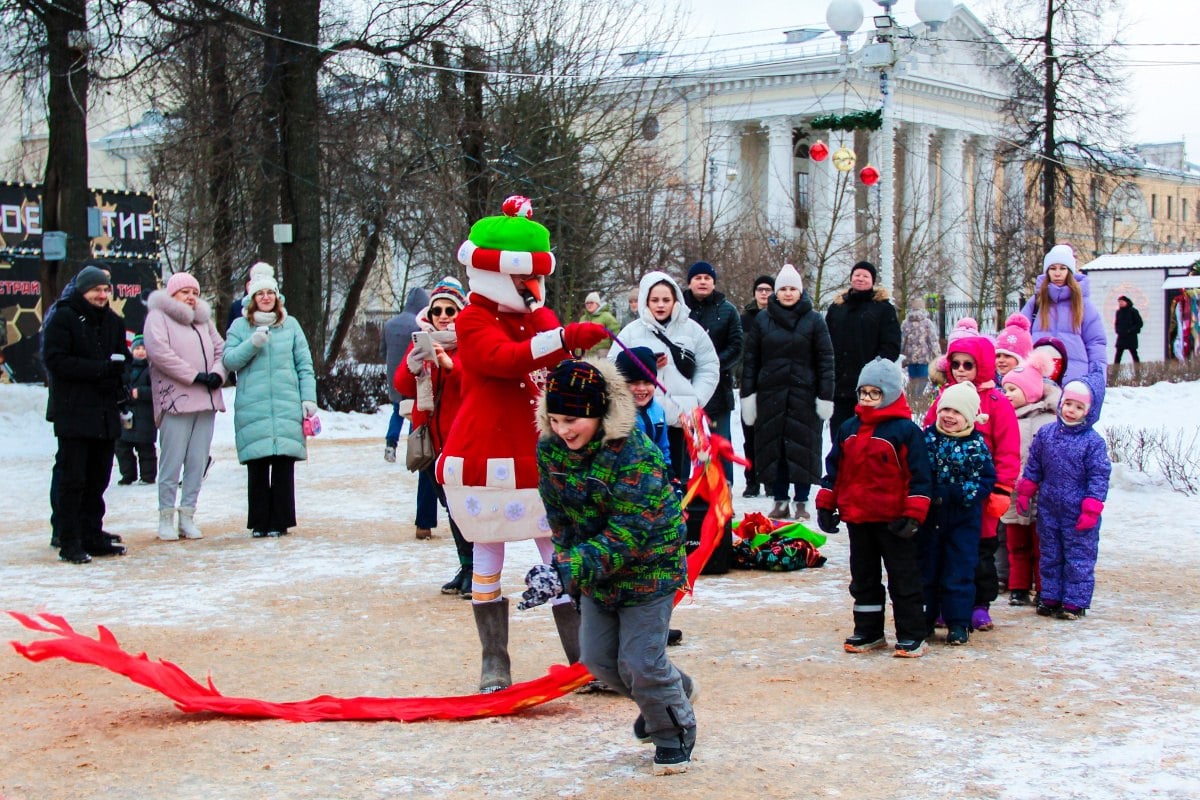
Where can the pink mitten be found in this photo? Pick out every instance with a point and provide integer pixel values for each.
(1089, 514)
(1026, 489)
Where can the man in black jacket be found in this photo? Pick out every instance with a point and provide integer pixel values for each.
(863, 325)
(720, 320)
(83, 346)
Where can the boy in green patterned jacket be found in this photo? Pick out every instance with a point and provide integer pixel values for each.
(618, 535)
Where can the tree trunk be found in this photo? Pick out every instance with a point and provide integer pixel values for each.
(65, 194)
(220, 166)
(374, 229)
(471, 135)
(300, 182)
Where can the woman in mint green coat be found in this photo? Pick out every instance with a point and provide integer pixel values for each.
(276, 391)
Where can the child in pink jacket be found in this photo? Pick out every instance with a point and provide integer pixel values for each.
(972, 359)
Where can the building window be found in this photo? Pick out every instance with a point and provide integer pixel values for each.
(1183, 209)
(1170, 206)
(1153, 206)
(803, 199)
(1068, 194)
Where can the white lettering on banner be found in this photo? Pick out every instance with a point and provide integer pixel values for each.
(21, 219)
(145, 225)
(126, 225)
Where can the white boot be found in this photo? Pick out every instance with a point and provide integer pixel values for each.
(187, 527)
(166, 525)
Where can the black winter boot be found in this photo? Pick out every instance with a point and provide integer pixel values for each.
(566, 619)
(491, 620)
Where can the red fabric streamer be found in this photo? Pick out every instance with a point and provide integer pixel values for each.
(191, 696)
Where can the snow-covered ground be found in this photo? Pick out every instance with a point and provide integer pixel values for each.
(782, 701)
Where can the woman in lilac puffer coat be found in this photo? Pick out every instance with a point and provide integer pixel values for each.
(1061, 307)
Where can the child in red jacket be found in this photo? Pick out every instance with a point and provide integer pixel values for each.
(877, 478)
(972, 359)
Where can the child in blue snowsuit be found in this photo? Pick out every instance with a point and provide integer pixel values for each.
(638, 366)
(1068, 469)
(963, 475)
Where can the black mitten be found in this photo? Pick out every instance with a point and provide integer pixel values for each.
(544, 585)
(905, 527)
(210, 379)
(828, 520)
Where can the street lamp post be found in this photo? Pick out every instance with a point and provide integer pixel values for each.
(844, 18)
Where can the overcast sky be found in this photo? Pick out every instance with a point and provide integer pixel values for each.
(1164, 87)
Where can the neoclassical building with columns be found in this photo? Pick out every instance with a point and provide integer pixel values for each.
(743, 120)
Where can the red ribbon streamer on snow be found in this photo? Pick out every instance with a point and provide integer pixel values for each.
(189, 695)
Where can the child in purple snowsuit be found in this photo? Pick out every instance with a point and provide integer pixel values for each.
(1068, 469)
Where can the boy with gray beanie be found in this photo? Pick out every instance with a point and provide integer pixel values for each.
(878, 479)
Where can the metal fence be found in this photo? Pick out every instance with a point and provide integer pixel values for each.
(990, 318)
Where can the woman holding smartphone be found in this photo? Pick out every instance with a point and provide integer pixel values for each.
(276, 392)
(430, 372)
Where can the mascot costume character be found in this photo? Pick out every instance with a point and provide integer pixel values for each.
(488, 466)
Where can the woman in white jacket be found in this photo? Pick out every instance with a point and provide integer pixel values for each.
(688, 365)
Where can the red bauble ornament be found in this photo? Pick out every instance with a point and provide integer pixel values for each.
(869, 175)
(818, 151)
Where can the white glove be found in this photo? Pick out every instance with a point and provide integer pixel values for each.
(750, 409)
(824, 408)
(310, 408)
(415, 364)
(259, 337)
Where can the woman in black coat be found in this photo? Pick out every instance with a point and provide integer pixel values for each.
(787, 392)
(1128, 324)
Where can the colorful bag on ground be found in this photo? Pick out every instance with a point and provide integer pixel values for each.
(760, 543)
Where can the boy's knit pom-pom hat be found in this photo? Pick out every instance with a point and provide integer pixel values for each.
(511, 243)
(637, 364)
(885, 375)
(576, 389)
(1015, 339)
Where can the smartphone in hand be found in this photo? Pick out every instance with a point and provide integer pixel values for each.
(423, 344)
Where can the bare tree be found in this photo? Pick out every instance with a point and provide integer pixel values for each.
(1070, 98)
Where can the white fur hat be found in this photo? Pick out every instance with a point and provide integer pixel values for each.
(262, 276)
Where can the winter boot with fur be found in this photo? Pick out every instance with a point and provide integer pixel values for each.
(166, 525)
(491, 620)
(782, 510)
(187, 524)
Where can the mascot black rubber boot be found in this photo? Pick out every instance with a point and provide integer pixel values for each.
(566, 618)
(491, 620)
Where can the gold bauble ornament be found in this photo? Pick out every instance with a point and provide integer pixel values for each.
(843, 159)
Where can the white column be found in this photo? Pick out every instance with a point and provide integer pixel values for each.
(722, 170)
(985, 217)
(780, 205)
(917, 188)
(954, 244)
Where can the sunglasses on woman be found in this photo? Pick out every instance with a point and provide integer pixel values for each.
(962, 365)
(447, 311)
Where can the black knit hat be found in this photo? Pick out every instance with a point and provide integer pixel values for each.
(769, 280)
(701, 268)
(628, 366)
(576, 389)
(869, 267)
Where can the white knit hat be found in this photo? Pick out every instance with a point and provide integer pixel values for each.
(789, 277)
(1059, 254)
(262, 276)
(593, 297)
